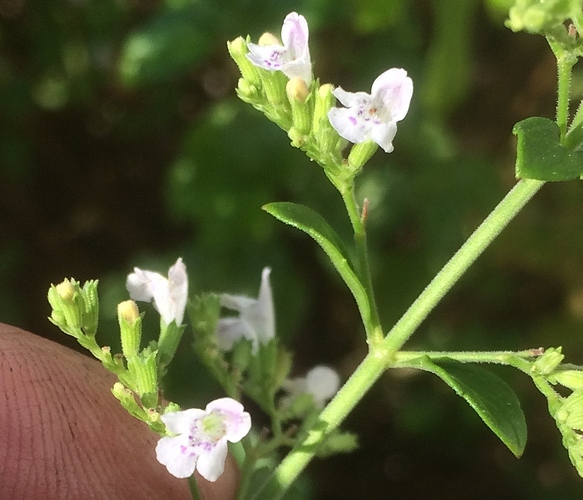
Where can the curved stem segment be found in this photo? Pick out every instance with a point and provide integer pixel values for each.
(381, 355)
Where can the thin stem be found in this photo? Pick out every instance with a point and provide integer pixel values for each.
(565, 63)
(516, 359)
(379, 359)
(372, 324)
(194, 488)
(498, 219)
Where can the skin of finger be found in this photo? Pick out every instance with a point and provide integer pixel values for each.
(64, 435)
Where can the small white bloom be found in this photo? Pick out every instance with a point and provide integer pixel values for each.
(169, 294)
(293, 58)
(321, 382)
(201, 436)
(256, 321)
(374, 116)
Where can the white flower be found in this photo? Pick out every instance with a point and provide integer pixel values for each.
(201, 438)
(169, 294)
(293, 58)
(256, 321)
(374, 116)
(321, 382)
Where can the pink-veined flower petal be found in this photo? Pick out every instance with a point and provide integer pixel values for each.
(293, 57)
(375, 116)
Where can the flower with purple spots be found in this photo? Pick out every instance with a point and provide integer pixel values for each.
(200, 438)
(293, 57)
(374, 116)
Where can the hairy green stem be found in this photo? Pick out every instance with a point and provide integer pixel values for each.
(565, 62)
(516, 359)
(498, 219)
(381, 357)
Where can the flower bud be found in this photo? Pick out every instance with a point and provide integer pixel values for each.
(572, 379)
(322, 130)
(268, 39)
(130, 325)
(128, 310)
(66, 290)
(245, 90)
(238, 51)
(359, 154)
(546, 364)
(297, 90)
(143, 370)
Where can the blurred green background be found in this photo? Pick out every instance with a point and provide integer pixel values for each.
(122, 144)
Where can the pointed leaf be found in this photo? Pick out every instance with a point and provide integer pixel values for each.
(491, 398)
(540, 155)
(315, 225)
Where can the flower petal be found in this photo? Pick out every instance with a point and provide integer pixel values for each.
(181, 422)
(395, 89)
(270, 57)
(169, 295)
(256, 320)
(266, 314)
(350, 99)
(140, 284)
(322, 382)
(178, 288)
(174, 453)
(211, 464)
(294, 35)
(383, 134)
(231, 330)
(236, 420)
(237, 302)
(349, 125)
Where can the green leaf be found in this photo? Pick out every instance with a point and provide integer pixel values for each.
(491, 398)
(315, 225)
(539, 154)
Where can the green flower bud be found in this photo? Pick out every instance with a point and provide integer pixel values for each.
(90, 306)
(571, 413)
(359, 154)
(274, 83)
(325, 135)
(298, 95)
(246, 91)
(130, 325)
(572, 379)
(536, 16)
(128, 401)
(546, 364)
(238, 51)
(66, 290)
(143, 371)
(66, 313)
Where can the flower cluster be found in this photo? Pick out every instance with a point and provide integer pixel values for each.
(365, 117)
